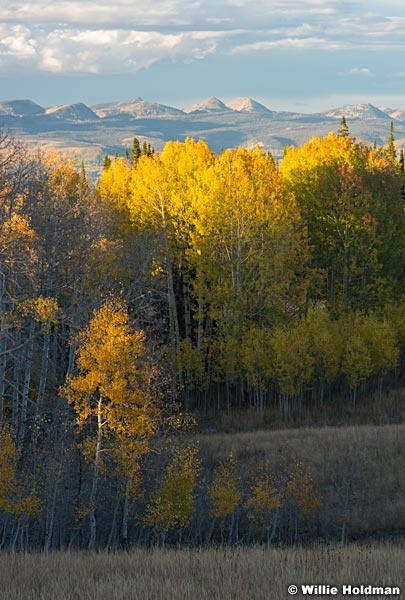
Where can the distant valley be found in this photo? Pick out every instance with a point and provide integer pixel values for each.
(90, 132)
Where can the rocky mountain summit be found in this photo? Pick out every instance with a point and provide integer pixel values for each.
(109, 128)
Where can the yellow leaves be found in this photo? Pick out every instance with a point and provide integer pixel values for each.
(173, 504)
(224, 492)
(18, 241)
(301, 488)
(265, 498)
(13, 500)
(115, 379)
(294, 363)
(113, 183)
(370, 348)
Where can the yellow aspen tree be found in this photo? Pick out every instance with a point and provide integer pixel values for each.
(264, 501)
(13, 500)
(333, 188)
(294, 363)
(113, 393)
(300, 490)
(225, 494)
(163, 196)
(257, 357)
(325, 346)
(173, 505)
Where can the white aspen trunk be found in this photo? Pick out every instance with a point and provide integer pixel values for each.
(50, 515)
(94, 485)
(3, 344)
(43, 376)
(27, 380)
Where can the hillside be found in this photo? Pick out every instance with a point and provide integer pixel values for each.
(109, 128)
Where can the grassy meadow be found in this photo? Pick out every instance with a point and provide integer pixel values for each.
(215, 574)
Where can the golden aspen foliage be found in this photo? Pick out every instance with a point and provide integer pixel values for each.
(172, 506)
(265, 498)
(370, 348)
(113, 186)
(325, 343)
(257, 355)
(245, 241)
(224, 492)
(18, 244)
(293, 362)
(44, 310)
(113, 371)
(300, 488)
(13, 500)
(328, 177)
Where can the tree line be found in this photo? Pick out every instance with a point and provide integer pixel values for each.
(181, 281)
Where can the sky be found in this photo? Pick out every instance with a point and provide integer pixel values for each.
(301, 55)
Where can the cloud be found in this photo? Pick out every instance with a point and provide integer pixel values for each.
(295, 43)
(101, 36)
(360, 71)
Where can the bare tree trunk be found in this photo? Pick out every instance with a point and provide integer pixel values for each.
(94, 485)
(43, 376)
(27, 380)
(3, 343)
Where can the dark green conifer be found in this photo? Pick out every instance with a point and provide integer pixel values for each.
(136, 151)
(343, 130)
(392, 153)
(402, 160)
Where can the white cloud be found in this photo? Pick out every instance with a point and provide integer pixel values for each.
(360, 71)
(295, 43)
(127, 35)
(101, 50)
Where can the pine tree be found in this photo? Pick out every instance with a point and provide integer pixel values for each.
(136, 151)
(343, 130)
(392, 153)
(107, 162)
(402, 161)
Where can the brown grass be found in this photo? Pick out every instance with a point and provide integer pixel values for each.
(241, 574)
(358, 472)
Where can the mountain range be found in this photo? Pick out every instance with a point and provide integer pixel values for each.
(109, 128)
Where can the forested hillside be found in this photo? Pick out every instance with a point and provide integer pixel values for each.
(183, 284)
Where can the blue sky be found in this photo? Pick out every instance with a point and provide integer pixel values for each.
(305, 55)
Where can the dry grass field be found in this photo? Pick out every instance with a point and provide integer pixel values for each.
(215, 574)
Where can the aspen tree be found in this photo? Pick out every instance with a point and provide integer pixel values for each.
(225, 495)
(173, 504)
(113, 393)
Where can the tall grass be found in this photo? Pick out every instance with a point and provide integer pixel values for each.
(215, 574)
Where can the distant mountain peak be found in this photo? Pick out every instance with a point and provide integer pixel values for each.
(21, 108)
(211, 104)
(357, 111)
(72, 112)
(247, 105)
(136, 108)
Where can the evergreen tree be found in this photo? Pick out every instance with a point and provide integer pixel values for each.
(392, 153)
(136, 151)
(343, 130)
(402, 161)
(107, 162)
